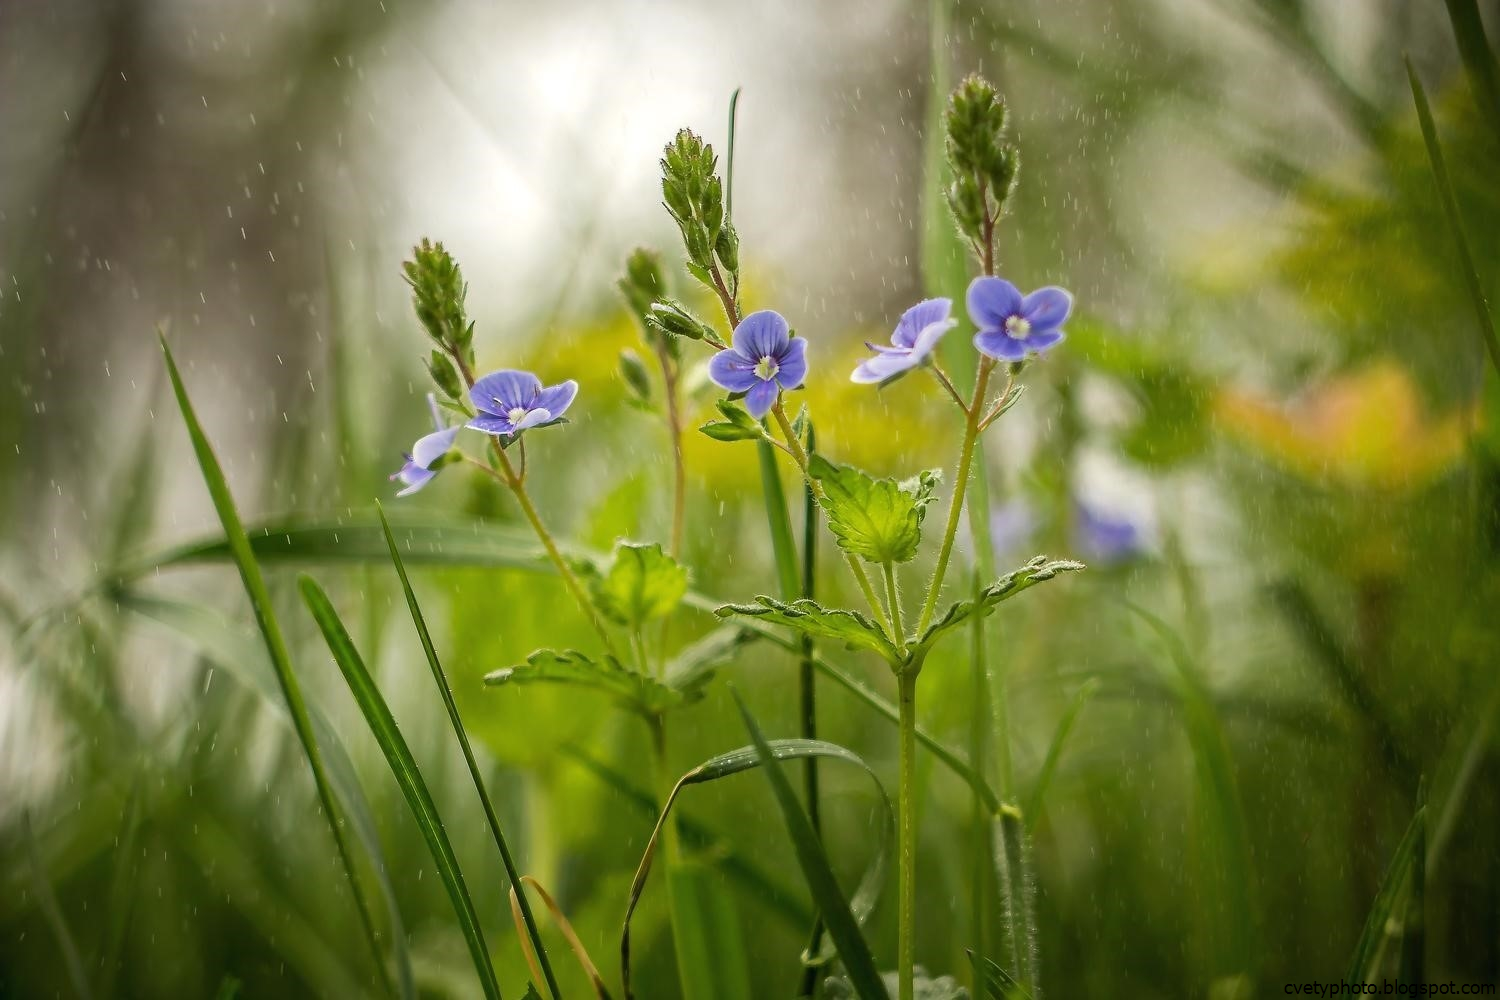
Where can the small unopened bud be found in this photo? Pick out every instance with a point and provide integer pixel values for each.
(633, 371)
(673, 318)
(445, 376)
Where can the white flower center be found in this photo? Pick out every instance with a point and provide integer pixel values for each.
(1018, 328)
(766, 368)
(516, 414)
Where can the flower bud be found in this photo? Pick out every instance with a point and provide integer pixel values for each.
(438, 292)
(445, 376)
(673, 318)
(633, 371)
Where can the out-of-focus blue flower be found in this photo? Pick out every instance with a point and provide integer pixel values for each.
(765, 359)
(1011, 325)
(1106, 537)
(418, 470)
(917, 333)
(510, 402)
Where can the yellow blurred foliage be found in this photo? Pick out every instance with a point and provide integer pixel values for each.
(1365, 430)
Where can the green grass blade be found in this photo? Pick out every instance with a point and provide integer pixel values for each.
(404, 767)
(1467, 269)
(1479, 59)
(124, 886)
(853, 950)
(1038, 794)
(440, 679)
(260, 600)
(1371, 940)
(47, 902)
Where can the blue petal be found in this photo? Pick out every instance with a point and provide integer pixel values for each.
(1046, 308)
(491, 423)
(731, 370)
(929, 336)
(432, 447)
(880, 368)
(502, 391)
(1039, 343)
(415, 478)
(555, 399)
(998, 344)
(532, 419)
(992, 301)
(918, 318)
(791, 364)
(761, 334)
(761, 398)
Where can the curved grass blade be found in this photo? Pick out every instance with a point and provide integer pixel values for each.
(1382, 913)
(1033, 809)
(239, 549)
(564, 925)
(836, 911)
(1467, 269)
(735, 762)
(47, 903)
(440, 679)
(383, 726)
(1479, 60)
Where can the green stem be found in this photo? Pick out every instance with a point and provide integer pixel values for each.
(794, 448)
(906, 835)
(893, 600)
(960, 485)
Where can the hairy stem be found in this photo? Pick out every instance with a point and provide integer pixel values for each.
(960, 486)
(893, 600)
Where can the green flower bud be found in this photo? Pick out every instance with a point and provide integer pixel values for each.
(445, 376)
(675, 320)
(727, 249)
(438, 292)
(642, 282)
(633, 371)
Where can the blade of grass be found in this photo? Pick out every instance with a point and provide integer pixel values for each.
(1467, 269)
(440, 679)
(807, 688)
(1382, 912)
(735, 762)
(47, 902)
(1038, 794)
(404, 767)
(1479, 60)
(829, 897)
(124, 886)
(260, 600)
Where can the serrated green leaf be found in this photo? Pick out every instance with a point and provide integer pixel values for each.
(1034, 572)
(568, 666)
(642, 583)
(877, 519)
(809, 617)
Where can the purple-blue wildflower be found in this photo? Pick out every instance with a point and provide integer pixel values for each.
(510, 402)
(917, 333)
(418, 470)
(765, 359)
(1106, 537)
(1011, 325)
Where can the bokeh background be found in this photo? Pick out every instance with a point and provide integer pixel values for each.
(1267, 433)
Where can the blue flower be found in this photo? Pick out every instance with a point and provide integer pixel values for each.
(1105, 537)
(510, 402)
(765, 359)
(1012, 326)
(918, 332)
(418, 470)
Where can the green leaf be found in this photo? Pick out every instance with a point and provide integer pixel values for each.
(445, 690)
(743, 759)
(404, 767)
(1038, 794)
(642, 583)
(695, 663)
(1034, 572)
(239, 549)
(843, 928)
(877, 519)
(993, 982)
(633, 690)
(810, 618)
(1402, 871)
(72, 958)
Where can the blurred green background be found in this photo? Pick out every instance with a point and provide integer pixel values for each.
(1274, 377)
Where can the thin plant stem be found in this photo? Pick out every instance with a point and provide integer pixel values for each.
(906, 834)
(960, 485)
(860, 576)
(893, 600)
(807, 685)
(674, 431)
